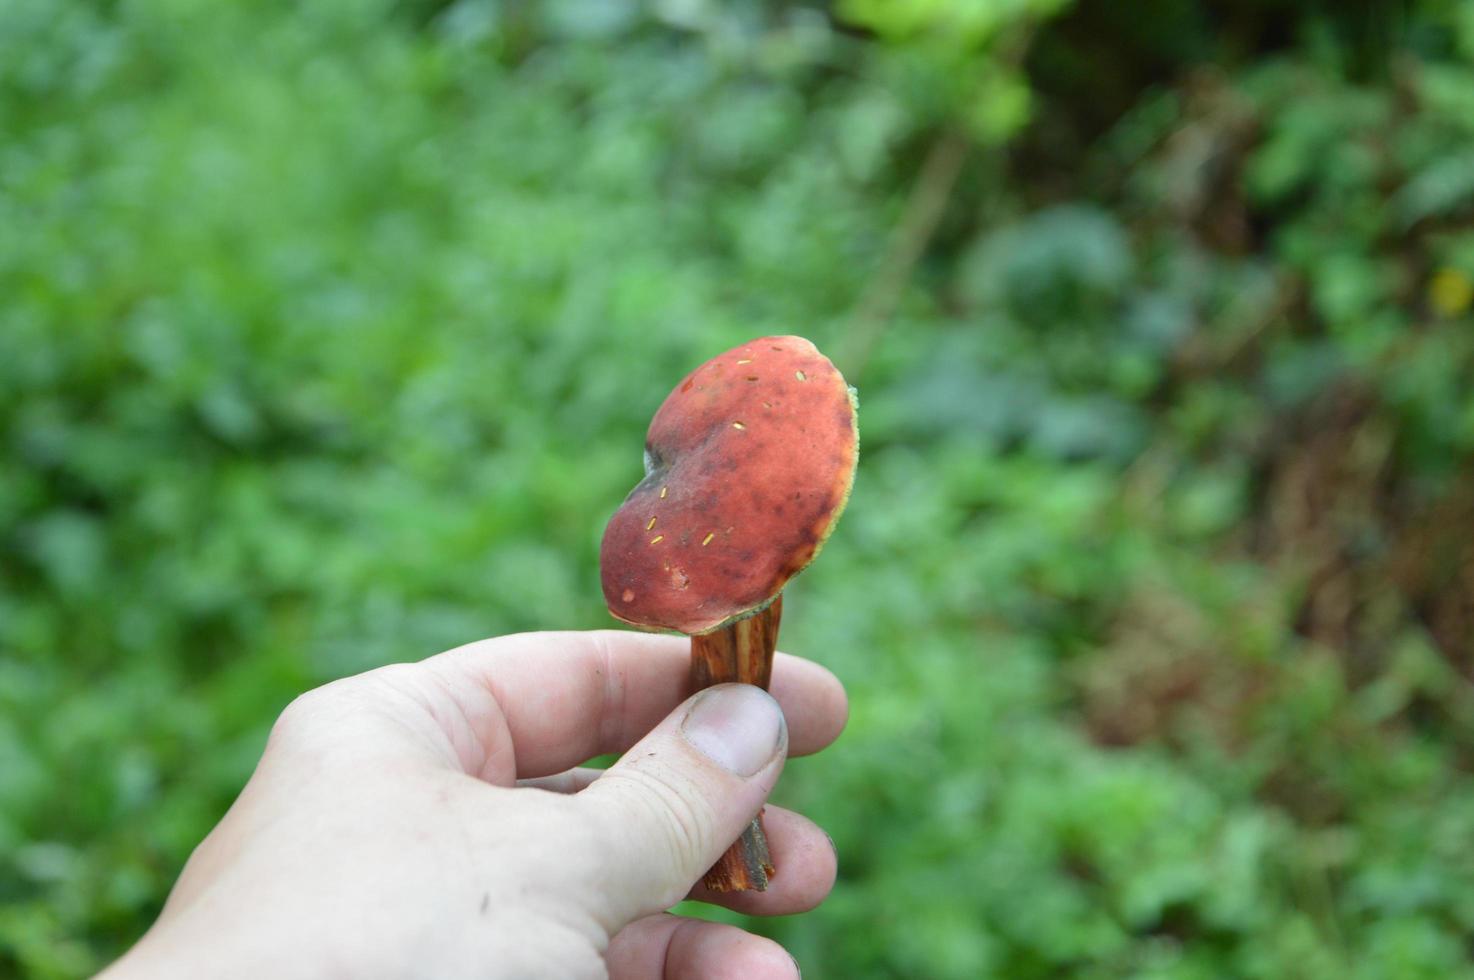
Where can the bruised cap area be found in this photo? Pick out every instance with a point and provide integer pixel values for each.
(748, 464)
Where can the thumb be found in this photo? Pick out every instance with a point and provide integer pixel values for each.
(676, 800)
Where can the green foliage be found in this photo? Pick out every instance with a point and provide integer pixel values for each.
(330, 333)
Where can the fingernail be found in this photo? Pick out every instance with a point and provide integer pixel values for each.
(737, 726)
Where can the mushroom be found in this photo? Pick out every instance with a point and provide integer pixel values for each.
(748, 465)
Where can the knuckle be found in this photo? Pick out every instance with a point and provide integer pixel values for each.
(333, 701)
(309, 711)
(299, 714)
(670, 810)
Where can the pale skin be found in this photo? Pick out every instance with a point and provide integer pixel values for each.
(427, 820)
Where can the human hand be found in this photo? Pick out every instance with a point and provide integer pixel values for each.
(423, 820)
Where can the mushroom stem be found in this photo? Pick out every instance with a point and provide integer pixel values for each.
(741, 653)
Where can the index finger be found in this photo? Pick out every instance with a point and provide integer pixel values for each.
(549, 701)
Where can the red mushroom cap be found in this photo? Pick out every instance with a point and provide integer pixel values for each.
(748, 465)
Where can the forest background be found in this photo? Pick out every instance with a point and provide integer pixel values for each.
(329, 332)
